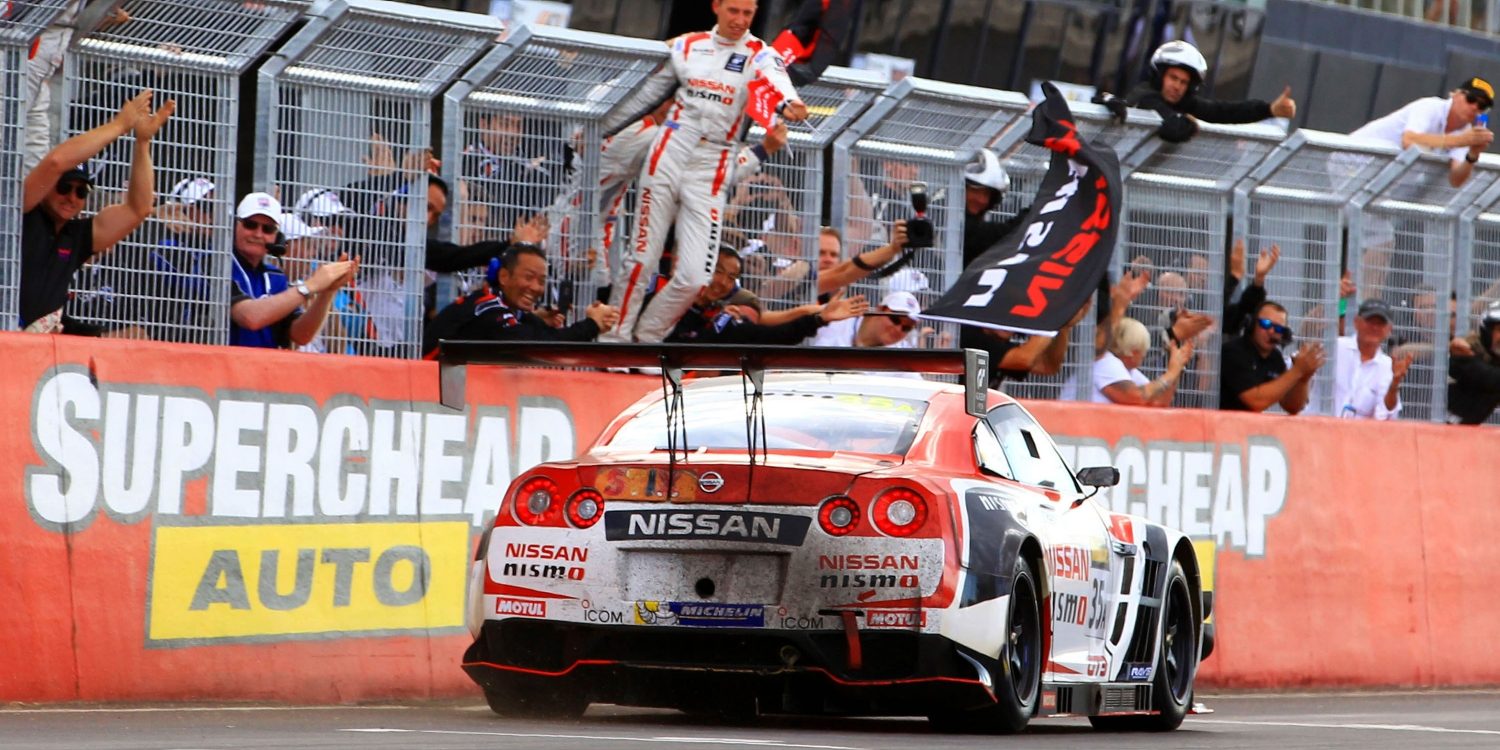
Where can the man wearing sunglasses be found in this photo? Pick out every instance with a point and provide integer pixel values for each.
(1441, 124)
(55, 243)
(1255, 374)
(265, 309)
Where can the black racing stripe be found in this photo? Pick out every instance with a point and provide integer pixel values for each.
(994, 541)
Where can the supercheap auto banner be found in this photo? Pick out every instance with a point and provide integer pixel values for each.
(1036, 278)
(194, 523)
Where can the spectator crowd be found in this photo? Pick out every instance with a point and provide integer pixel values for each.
(701, 238)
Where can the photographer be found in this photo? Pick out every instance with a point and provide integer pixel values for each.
(1474, 371)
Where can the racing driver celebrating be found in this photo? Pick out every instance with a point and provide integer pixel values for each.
(691, 162)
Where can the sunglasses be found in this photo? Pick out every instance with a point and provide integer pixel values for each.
(262, 227)
(1482, 103)
(905, 324)
(1276, 328)
(80, 190)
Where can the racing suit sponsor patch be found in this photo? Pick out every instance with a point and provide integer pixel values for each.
(736, 63)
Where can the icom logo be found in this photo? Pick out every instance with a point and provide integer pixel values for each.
(710, 481)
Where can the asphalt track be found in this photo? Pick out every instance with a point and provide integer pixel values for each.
(1367, 721)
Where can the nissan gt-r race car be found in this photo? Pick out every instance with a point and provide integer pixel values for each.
(808, 542)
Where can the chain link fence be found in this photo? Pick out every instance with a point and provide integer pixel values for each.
(923, 132)
(169, 280)
(1176, 227)
(21, 22)
(344, 123)
(524, 140)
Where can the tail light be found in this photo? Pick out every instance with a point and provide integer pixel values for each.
(838, 515)
(536, 503)
(899, 512)
(585, 508)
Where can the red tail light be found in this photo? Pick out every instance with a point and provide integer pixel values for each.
(899, 512)
(585, 508)
(536, 503)
(838, 516)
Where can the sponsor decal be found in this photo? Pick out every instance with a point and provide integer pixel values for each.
(804, 623)
(711, 481)
(896, 618)
(1049, 700)
(551, 553)
(1098, 666)
(1224, 492)
(1142, 672)
(604, 616)
(868, 581)
(505, 605)
(868, 562)
(736, 63)
(988, 501)
(1070, 608)
(546, 552)
(727, 526)
(1122, 529)
(275, 582)
(700, 614)
(1069, 561)
(540, 570)
(133, 451)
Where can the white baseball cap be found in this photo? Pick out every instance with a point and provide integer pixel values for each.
(295, 228)
(191, 190)
(259, 204)
(322, 203)
(902, 302)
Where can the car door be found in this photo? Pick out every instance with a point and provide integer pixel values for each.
(1076, 567)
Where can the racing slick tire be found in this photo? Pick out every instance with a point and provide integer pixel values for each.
(514, 699)
(1176, 664)
(1019, 684)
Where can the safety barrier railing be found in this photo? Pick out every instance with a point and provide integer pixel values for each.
(917, 131)
(1177, 206)
(1477, 283)
(21, 22)
(344, 123)
(523, 138)
(774, 217)
(169, 280)
(1406, 258)
(1026, 165)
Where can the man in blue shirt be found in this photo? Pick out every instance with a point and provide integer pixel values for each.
(265, 308)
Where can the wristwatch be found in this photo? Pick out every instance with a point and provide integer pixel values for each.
(1470, 158)
(301, 287)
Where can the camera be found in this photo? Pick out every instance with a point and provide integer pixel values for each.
(919, 227)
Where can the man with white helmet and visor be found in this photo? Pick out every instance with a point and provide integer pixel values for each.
(1177, 73)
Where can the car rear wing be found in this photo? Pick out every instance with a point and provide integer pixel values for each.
(674, 359)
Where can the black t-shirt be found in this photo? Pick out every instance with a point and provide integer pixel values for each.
(49, 259)
(1243, 368)
(484, 316)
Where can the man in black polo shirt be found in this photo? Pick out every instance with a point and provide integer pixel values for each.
(1255, 374)
(55, 243)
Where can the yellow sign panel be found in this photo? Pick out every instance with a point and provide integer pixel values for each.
(274, 581)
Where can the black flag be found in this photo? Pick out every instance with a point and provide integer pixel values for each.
(1034, 279)
(818, 36)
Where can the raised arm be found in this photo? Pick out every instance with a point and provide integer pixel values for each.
(80, 148)
(113, 223)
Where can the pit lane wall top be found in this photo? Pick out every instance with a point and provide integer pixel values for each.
(194, 523)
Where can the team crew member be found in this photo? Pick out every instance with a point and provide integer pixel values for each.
(709, 319)
(508, 311)
(265, 308)
(691, 161)
(1177, 71)
(1440, 124)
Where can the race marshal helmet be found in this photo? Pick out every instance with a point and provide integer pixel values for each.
(1178, 54)
(985, 170)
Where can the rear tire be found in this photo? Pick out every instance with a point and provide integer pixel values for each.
(1176, 664)
(517, 700)
(1019, 684)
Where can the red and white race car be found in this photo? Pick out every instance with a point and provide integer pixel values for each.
(828, 543)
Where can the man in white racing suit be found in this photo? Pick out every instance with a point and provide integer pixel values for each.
(691, 162)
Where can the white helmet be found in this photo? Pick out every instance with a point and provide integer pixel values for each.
(1179, 54)
(986, 170)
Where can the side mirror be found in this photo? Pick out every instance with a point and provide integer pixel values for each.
(1099, 476)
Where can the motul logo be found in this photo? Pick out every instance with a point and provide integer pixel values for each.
(520, 607)
(896, 619)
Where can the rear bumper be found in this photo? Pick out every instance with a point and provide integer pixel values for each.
(899, 672)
